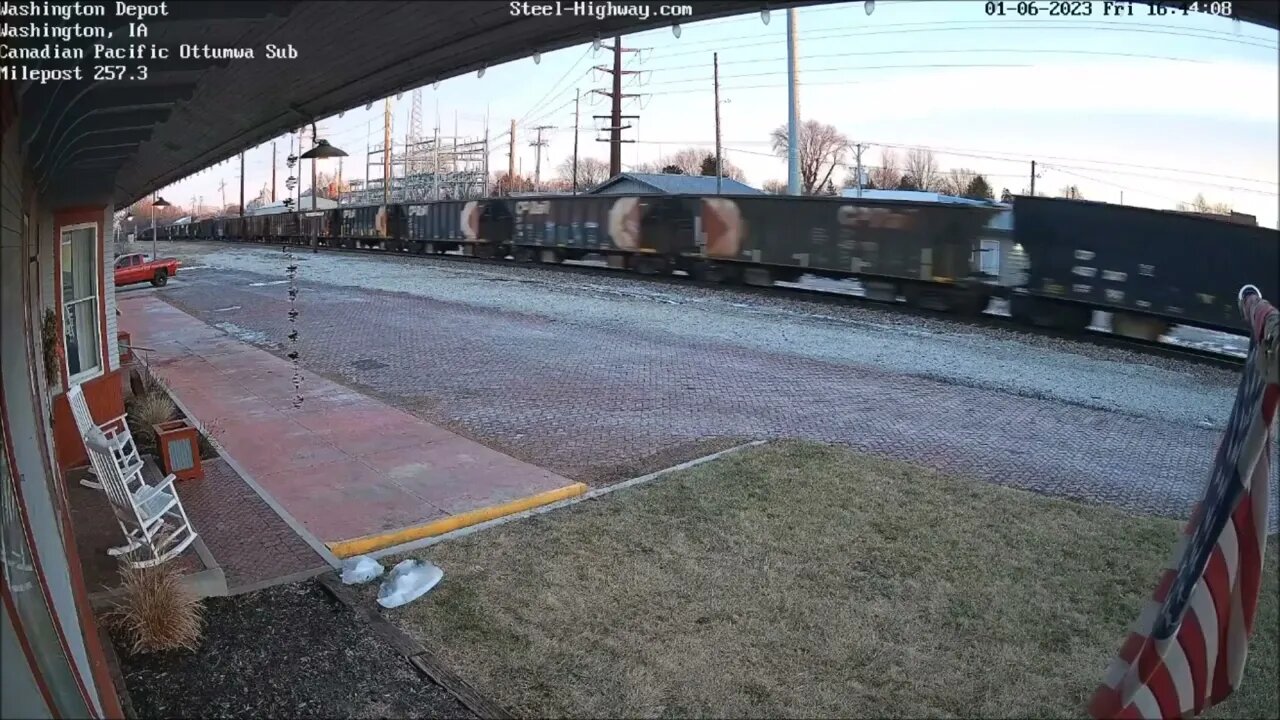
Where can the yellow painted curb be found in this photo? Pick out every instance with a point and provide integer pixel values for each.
(371, 543)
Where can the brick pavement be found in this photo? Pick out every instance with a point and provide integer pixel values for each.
(579, 397)
(249, 541)
(344, 465)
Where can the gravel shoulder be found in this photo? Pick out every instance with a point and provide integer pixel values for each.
(1024, 364)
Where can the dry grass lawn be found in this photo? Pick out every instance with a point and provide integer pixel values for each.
(801, 580)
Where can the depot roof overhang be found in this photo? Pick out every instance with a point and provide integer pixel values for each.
(114, 140)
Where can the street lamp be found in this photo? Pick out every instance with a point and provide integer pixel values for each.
(160, 202)
(322, 150)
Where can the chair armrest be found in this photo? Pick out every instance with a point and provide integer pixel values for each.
(167, 483)
(114, 425)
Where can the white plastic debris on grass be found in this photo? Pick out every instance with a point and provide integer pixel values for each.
(408, 581)
(360, 569)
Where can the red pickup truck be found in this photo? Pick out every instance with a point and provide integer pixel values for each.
(135, 268)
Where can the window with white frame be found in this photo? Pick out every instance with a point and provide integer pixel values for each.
(80, 301)
(990, 263)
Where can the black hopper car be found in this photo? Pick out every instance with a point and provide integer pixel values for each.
(1150, 268)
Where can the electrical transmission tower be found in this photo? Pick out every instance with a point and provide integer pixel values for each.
(415, 133)
(616, 118)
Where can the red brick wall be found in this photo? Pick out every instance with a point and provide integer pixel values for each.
(105, 395)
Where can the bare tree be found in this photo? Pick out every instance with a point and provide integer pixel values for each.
(1201, 205)
(956, 181)
(329, 186)
(591, 171)
(822, 148)
(774, 187)
(504, 184)
(889, 173)
(1071, 192)
(923, 167)
(691, 161)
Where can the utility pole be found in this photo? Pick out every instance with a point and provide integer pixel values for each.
(315, 192)
(339, 187)
(1033, 178)
(537, 146)
(793, 109)
(577, 97)
(511, 157)
(386, 152)
(297, 202)
(155, 253)
(616, 117)
(715, 64)
(273, 171)
(408, 153)
(241, 184)
(858, 170)
(615, 132)
(222, 187)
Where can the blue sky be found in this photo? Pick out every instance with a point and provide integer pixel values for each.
(1156, 108)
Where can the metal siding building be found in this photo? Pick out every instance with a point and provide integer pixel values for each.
(664, 184)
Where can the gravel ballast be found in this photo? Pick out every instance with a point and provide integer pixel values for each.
(1022, 363)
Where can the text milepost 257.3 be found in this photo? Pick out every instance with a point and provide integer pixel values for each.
(1104, 8)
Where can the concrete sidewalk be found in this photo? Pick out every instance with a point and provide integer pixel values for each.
(356, 473)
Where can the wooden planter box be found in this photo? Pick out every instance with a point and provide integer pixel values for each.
(126, 347)
(179, 444)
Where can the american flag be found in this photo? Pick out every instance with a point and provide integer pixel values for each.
(1187, 650)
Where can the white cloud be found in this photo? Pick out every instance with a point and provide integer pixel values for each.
(1239, 91)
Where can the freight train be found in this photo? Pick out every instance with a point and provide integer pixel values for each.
(1149, 268)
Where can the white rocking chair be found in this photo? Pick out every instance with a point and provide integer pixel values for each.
(150, 517)
(116, 432)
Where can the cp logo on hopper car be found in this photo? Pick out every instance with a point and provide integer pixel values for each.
(526, 207)
(874, 217)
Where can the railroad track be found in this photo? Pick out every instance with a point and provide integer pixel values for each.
(990, 320)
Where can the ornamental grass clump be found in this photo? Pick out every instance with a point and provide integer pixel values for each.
(156, 612)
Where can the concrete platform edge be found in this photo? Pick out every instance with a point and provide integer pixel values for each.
(464, 531)
(371, 543)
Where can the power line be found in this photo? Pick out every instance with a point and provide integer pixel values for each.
(861, 26)
(1115, 185)
(1056, 167)
(839, 34)
(1018, 157)
(930, 52)
(567, 73)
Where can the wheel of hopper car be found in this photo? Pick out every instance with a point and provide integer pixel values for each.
(651, 264)
(725, 273)
(161, 278)
(524, 255)
(757, 276)
(970, 302)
